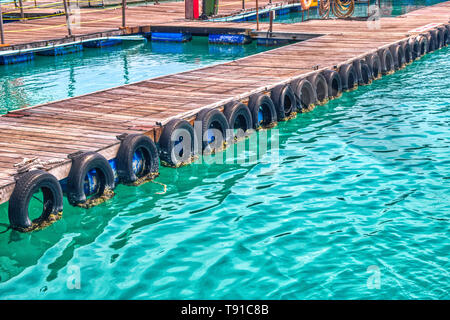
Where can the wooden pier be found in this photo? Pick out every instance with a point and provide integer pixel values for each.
(92, 122)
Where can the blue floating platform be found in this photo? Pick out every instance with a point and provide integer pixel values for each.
(59, 51)
(229, 39)
(171, 37)
(16, 58)
(102, 43)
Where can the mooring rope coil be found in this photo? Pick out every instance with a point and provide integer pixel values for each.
(324, 8)
(343, 8)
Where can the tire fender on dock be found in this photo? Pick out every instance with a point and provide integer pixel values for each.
(387, 61)
(305, 95)
(397, 55)
(348, 76)
(90, 175)
(415, 48)
(366, 74)
(431, 38)
(334, 83)
(263, 111)
(176, 143)
(407, 51)
(423, 45)
(26, 186)
(447, 34)
(214, 130)
(374, 62)
(438, 36)
(357, 66)
(320, 86)
(239, 119)
(283, 98)
(137, 158)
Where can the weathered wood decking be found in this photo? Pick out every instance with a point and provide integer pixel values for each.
(92, 122)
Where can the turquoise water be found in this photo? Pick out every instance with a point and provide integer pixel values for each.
(361, 184)
(52, 78)
(388, 9)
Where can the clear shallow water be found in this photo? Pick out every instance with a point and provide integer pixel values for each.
(362, 181)
(388, 9)
(52, 78)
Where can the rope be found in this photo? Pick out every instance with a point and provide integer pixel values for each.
(61, 25)
(61, 14)
(162, 184)
(34, 18)
(34, 163)
(343, 8)
(324, 8)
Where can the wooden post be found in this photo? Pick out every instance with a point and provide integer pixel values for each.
(66, 9)
(22, 14)
(271, 21)
(243, 4)
(124, 13)
(2, 35)
(257, 16)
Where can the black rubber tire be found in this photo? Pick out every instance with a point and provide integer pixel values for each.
(435, 34)
(349, 78)
(357, 66)
(374, 62)
(128, 147)
(441, 35)
(447, 34)
(407, 52)
(176, 131)
(239, 117)
(431, 37)
(212, 119)
(423, 45)
(320, 86)
(81, 165)
(333, 82)
(397, 55)
(283, 99)
(268, 109)
(27, 185)
(366, 74)
(415, 48)
(387, 61)
(305, 95)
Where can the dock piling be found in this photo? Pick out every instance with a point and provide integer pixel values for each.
(22, 14)
(257, 16)
(66, 10)
(124, 8)
(2, 34)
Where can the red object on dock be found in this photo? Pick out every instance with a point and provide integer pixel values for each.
(192, 9)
